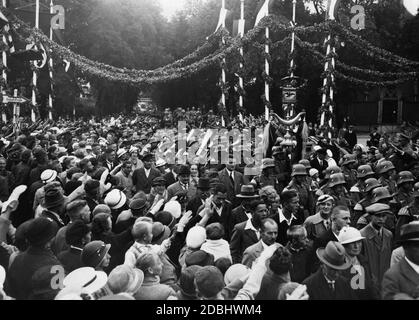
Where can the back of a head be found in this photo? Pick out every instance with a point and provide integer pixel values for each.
(281, 262)
(75, 233)
(215, 231)
(141, 229)
(73, 208)
(223, 264)
(287, 195)
(145, 261)
(187, 281)
(209, 282)
(336, 210)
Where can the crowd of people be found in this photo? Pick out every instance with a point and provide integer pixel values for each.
(89, 213)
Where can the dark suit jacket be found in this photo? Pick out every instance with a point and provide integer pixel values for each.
(283, 227)
(232, 190)
(400, 279)
(316, 165)
(241, 239)
(170, 178)
(320, 242)
(238, 215)
(318, 288)
(141, 182)
(176, 187)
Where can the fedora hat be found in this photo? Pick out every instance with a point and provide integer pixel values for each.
(124, 278)
(48, 175)
(115, 199)
(409, 232)
(160, 233)
(204, 183)
(247, 192)
(333, 256)
(87, 278)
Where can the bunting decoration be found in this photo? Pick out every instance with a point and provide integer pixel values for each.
(241, 66)
(51, 66)
(3, 23)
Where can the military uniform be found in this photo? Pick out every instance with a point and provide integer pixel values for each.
(402, 199)
(350, 176)
(342, 199)
(360, 210)
(390, 184)
(306, 199)
(406, 215)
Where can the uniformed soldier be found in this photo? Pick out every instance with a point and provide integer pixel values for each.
(404, 156)
(282, 167)
(387, 173)
(306, 164)
(299, 184)
(324, 188)
(338, 192)
(380, 195)
(348, 169)
(360, 207)
(410, 212)
(268, 175)
(405, 189)
(363, 173)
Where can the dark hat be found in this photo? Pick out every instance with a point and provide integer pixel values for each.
(409, 232)
(305, 163)
(204, 183)
(138, 203)
(199, 258)
(209, 281)
(184, 170)
(94, 252)
(91, 185)
(299, 170)
(166, 218)
(333, 256)
(53, 198)
(187, 280)
(159, 181)
(160, 233)
(148, 157)
(348, 158)
(247, 192)
(75, 232)
(40, 231)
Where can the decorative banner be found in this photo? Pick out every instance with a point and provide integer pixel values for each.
(263, 12)
(289, 95)
(332, 9)
(222, 18)
(41, 63)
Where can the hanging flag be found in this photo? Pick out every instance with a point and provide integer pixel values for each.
(332, 9)
(222, 18)
(42, 62)
(263, 12)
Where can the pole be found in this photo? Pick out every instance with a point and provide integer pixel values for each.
(34, 75)
(241, 84)
(267, 71)
(51, 65)
(324, 95)
(15, 105)
(292, 63)
(223, 72)
(4, 72)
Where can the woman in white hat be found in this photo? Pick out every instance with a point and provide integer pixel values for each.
(318, 224)
(358, 273)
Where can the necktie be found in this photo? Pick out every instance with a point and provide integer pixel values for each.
(331, 285)
(231, 178)
(326, 224)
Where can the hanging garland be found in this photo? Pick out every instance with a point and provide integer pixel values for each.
(354, 69)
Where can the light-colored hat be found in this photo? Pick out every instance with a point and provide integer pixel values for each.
(174, 208)
(236, 271)
(324, 198)
(196, 237)
(48, 175)
(121, 152)
(349, 235)
(13, 198)
(124, 278)
(87, 278)
(329, 153)
(115, 199)
(313, 172)
(160, 163)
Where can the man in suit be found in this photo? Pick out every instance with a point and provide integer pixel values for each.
(183, 184)
(289, 215)
(109, 161)
(220, 211)
(171, 176)
(340, 217)
(232, 179)
(319, 162)
(247, 233)
(142, 178)
(327, 283)
(202, 193)
(401, 281)
(377, 246)
(268, 234)
(243, 213)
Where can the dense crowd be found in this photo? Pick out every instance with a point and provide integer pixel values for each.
(89, 212)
